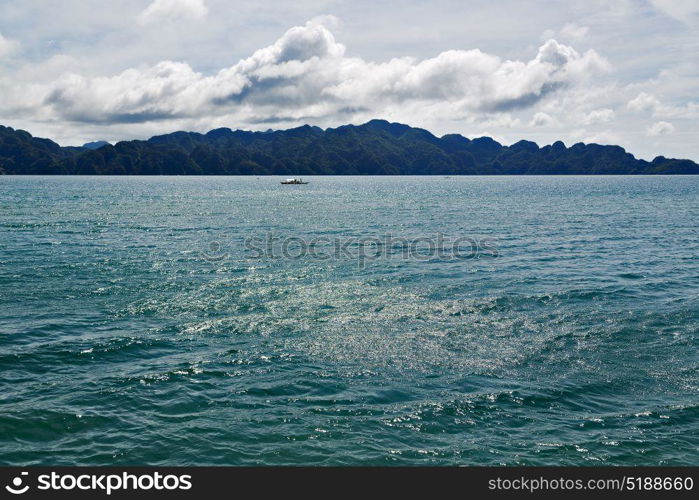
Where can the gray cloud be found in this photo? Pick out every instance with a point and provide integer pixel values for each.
(306, 73)
(526, 100)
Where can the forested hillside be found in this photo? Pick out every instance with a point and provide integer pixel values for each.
(374, 148)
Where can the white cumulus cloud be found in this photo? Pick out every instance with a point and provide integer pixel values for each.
(598, 116)
(660, 128)
(173, 10)
(541, 119)
(306, 74)
(645, 102)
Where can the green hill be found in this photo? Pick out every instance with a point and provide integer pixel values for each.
(374, 148)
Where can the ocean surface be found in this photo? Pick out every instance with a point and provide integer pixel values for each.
(233, 320)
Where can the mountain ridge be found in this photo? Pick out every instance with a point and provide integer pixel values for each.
(377, 147)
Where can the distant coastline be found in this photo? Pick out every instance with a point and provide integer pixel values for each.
(374, 148)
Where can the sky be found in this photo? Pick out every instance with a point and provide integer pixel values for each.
(611, 72)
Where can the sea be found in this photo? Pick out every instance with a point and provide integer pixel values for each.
(547, 320)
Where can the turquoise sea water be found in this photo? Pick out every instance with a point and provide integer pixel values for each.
(137, 328)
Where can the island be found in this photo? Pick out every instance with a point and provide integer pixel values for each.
(377, 147)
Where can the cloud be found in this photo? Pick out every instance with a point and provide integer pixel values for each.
(541, 119)
(7, 46)
(500, 120)
(685, 11)
(603, 137)
(306, 75)
(598, 116)
(645, 102)
(173, 10)
(572, 31)
(660, 128)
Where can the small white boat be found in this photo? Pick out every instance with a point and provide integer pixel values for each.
(294, 181)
